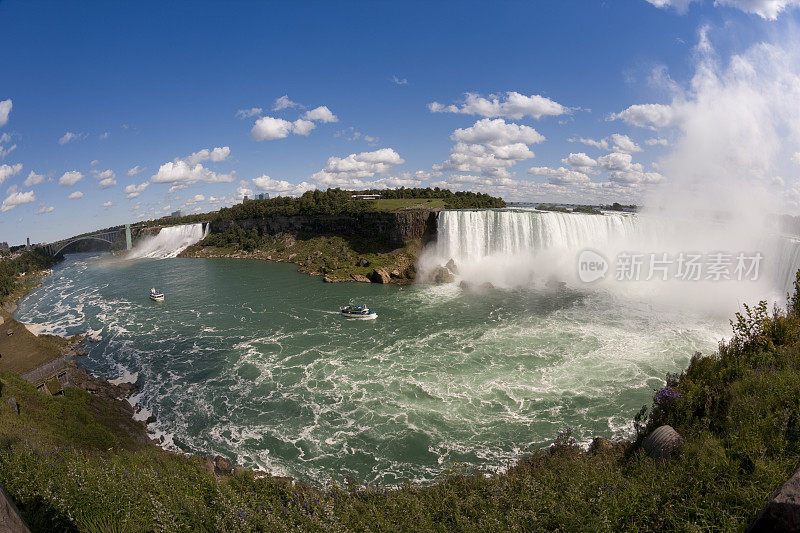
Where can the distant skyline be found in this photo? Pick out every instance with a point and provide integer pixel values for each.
(116, 112)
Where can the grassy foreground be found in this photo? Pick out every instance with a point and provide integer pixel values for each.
(739, 410)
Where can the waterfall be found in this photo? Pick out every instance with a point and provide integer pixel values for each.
(468, 236)
(169, 242)
(525, 247)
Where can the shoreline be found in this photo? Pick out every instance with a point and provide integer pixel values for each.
(118, 391)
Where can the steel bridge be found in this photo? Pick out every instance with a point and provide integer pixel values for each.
(107, 236)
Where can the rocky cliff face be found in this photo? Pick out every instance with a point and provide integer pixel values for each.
(393, 230)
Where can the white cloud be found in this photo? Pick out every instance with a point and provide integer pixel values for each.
(648, 115)
(6, 171)
(17, 198)
(766, 9)
(657, 141)
(104, 174)
(196, 199)
(5, 151)
(182, 173)
(303, 127)
(490, 147)
(247, 113)
(399, 81)
(132, 191)
(515, 106)
(284, 103)
(351, 170)
(134, 170)
(107, 182)
(270, 128)
(70, 136)
(45, 209)
(560, 176)
(75, 195)
(623, 143)
(620, 168)
(320, 114)
(601, 144)
(108, 204)
(68, 179)
(33, 179)
(93, 162)
(104, 135)
(5, 110)
(215, 155)
(243, 190)
(265, 183)
(579, 161)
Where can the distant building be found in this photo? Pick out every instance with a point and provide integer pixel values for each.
(177, 214)
(3, 246)
(246, 199)
(367, 196)
(262, 196)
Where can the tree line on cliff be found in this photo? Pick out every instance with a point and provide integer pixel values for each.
(26, 262)
(341, 202)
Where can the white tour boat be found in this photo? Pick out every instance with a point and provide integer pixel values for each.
(358, 312)
(156, 296)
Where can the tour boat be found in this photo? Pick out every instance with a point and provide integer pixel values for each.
(358, 312)
(156, 296)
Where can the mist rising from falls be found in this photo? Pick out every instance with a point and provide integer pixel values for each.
(169, 242)
(532, 249)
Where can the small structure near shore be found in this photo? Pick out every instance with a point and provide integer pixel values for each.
(52, 377)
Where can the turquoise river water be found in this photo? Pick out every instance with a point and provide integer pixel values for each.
(250, 360)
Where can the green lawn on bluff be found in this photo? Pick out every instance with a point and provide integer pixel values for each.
(69, 467)
(397, 204)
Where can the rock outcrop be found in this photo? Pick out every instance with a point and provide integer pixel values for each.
(380, 276)
(782, 512)
(441, 274)
(10, 518)
(392, 229)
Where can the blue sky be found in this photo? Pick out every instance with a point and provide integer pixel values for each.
(490, 96)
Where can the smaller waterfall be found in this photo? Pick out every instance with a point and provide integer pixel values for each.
(169, 242)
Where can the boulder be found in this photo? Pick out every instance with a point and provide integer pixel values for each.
(464, 284)
(327, 279)
(395, 274)
(442, 275)
(12, 403)
(10, 518)
(487, 285)
(360, 278)
(662, 443)
(782, 512)
(451, 266)
(380, 276)
(222, 465)
(362, 262)
(208, 463)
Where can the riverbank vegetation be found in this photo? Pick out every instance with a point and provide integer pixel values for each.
(333, 256)
(68, 467)
(11, 270)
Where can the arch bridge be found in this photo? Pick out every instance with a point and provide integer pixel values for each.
(107, 236)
